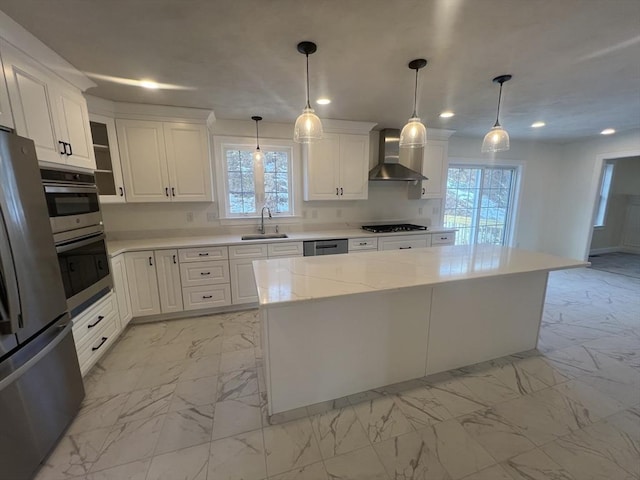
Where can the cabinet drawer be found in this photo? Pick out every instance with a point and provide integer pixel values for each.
(363, 244)
(93, 346)
(248, 251)
(402, 242)
(203, 254)
(206, 296)
(204, 273)
(285, 249)
(443, 238)
(89, 320)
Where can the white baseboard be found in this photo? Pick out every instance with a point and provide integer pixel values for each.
(600, 251)
(628, 249)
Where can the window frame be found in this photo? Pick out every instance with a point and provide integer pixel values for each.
(224, 143)
(602, 204)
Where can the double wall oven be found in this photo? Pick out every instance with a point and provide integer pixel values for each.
(78, 233)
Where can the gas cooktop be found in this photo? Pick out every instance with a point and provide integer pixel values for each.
(398, 227)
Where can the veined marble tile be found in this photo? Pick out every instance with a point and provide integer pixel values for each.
(338, 431)
(103, 384)
(238, 458)
(236, 416)
(517, 378)
(238, 341)
(619, 382)
(200, 367)
(98, 412)
(382, 419)
(315, 471)
(163, 373)
(189, 330)
(128, 442)
(290, 445)
(147, 403)
(74, 455)
(627, 421)
(125, 359)
(408, 457)
(535, 465)
(205, 347)
(421, 407)
(599, 404)
(186, 428)
(130, 471)
(173, 352)
(541, 369)
(360, 464)
(193, 393)
(324, 407)
(457, 398)
(487, 388)
(621, 349)
(187, 464)
(289, 415)
(496, 434)
(455, 449)
(142, 336)
(496, 472)
(237, 384)
(576, 361)
(237, 360)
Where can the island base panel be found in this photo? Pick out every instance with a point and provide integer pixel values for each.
(482, 319)
(326, 349)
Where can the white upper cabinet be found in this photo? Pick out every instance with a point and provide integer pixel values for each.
(165, 161)
(6, 117)
(144, 161)
(108, 166)
(48, 110)
(435, 165)
(337, 166)
(188, 162)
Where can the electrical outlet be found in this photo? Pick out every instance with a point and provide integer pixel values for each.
(419, 210)
(314, 213)
(339, 212)
(212, 216)
(189, 216)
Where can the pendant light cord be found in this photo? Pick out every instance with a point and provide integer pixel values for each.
(257, 137)
(415, 97)
(498, 112)
(308, 104)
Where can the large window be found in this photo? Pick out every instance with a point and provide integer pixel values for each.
(249, 185)
(605, 188)
(479, 202)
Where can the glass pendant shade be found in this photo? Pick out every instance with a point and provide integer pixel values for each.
(308, 127)
(497, 140)
(413, 134)
(258, 156)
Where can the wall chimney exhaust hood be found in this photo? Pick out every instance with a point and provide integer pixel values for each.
(392, 160)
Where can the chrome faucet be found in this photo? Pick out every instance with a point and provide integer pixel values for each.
(261, 229)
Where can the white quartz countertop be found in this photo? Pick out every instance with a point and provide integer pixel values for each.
(306, 278)
(116, 247)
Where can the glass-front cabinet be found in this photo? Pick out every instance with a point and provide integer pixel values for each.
(108, 168)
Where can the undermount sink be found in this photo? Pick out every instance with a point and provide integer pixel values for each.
(264, 236)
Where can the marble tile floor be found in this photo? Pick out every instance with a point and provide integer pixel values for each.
(186, 400)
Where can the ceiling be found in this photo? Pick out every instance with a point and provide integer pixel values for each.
(575, 63)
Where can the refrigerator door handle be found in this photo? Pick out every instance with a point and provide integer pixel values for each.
(10, 321)
(17, 373)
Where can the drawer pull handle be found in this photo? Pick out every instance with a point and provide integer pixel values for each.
(205, 273)
(100, 318)
(203, 254)
(174, 260)
(404, 248)
(207, 296)
(151, 261)
(443, 238)
(104, 339)
(363, 243)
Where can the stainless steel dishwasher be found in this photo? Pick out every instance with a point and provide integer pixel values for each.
(326, 247)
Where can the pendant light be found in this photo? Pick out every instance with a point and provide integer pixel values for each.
(258, 155)
(414, 133)
(497, 140)
(308, 127)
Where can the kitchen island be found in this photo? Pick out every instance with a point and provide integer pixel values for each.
(342, 324)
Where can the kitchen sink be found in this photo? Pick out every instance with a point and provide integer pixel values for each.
(264, 236)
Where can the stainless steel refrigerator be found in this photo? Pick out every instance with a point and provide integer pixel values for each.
(40, 383)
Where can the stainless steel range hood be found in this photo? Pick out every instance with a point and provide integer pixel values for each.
(392, 160)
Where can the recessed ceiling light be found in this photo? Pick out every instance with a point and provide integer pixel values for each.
(537, 124)
(149, 84)
(323, 101)
(447, 114)
(607, 131)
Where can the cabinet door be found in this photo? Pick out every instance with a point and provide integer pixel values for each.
(434, 166)
(143, 283)
(121, 288)
(354, 167)
(6, 116)
(108, 166)
(73, 121)
(243, 282)
(321, 168)
(32, 102)
(144, 160)
(188, 162)
(404, 242)
(169, 285)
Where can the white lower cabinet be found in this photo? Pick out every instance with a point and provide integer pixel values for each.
(243, 283)
(169, 285)
(95, 330)
(363, 244)
(439, 239)
(121, 289)
(143, 283)
(204, 273)
(404, 242)
(206, 296)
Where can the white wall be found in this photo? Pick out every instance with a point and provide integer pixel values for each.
(571, 201)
